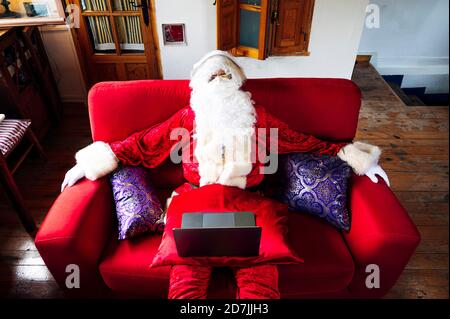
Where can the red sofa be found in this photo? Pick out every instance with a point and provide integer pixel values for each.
(80, 227)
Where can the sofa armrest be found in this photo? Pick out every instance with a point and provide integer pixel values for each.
(76, 231)
(382, 233)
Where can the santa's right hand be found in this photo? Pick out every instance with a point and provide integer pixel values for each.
(72, 176)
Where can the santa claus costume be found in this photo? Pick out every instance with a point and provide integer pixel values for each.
(222, 123)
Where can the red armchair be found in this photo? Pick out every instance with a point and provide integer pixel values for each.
(80, 227)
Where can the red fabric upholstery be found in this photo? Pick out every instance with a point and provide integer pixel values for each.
(76, 230)
(149, 103)
(126, 267)
(80, 223)
(270, 215)
(381, 233)
(296, 101)
(328, 265)
(315, 106)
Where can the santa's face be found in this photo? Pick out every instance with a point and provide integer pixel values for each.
(217, 74)
(221, 74)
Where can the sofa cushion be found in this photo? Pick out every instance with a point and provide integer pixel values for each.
(328, 265)
(11, 133)
(270, 215)
(125, 268)
(138, 208)
(316, 184)
(302, 103)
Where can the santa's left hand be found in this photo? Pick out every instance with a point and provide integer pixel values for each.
(377, 170)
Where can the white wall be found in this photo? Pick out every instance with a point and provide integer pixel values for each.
(412, 40)
(336, 32)
(200, 19)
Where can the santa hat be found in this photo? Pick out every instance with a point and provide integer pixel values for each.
(212, 54)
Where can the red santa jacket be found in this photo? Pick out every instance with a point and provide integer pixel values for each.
(152, 146)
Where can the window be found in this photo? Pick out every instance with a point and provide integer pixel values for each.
(261, 28)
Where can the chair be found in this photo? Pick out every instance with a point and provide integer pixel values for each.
(12, 133)
(80, 228)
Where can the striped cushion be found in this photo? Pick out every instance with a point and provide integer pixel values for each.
(11, 132)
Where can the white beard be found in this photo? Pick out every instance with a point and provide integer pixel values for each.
(224, 126)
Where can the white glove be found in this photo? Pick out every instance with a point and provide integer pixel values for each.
(72, 176)
(377, 170)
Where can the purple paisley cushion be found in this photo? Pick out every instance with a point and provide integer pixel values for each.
(315, 184)
(138, 209)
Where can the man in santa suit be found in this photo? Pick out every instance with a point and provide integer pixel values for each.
(221, 123)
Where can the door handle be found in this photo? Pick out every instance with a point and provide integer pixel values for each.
(275, 18)
(144, 7)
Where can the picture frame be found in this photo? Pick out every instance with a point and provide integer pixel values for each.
(31, 12)
(174, 34)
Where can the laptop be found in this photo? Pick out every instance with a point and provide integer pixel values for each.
(217, 235)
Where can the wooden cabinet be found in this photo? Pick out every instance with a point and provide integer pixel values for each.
(27, 86)
(117, 40)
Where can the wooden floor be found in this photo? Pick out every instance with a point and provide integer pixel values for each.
(415, 154)
(415, 143)
(22, 271)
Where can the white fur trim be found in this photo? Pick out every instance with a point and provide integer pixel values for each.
(234, 169)
(235, 174)
(169, 200)
(163, 218)
(97, 160)
(210, 55)
(360, 156)
(240, 182)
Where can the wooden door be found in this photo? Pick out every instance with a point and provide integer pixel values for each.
(116, 40)
(291, 26)
(227, 17)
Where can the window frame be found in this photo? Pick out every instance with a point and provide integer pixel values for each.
(267, 29)
(260, 52)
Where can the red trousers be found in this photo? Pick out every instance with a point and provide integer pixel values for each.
(257, 282)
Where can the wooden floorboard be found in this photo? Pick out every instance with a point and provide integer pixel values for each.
(22, 271)
(415, 144)
(415, 154)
